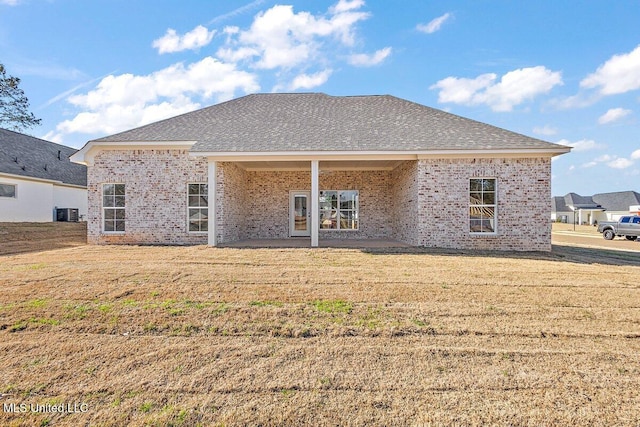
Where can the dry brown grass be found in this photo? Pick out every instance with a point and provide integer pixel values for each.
(195, 335)
(39, 236)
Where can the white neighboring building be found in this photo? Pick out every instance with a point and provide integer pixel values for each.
(592, 209)
(36, 178)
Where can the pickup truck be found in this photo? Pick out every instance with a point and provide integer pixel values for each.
(627, 226)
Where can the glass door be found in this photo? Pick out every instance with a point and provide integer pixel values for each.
(299, 213)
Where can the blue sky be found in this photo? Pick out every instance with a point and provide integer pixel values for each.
(563, 71)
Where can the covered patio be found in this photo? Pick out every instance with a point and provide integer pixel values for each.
(298, 201)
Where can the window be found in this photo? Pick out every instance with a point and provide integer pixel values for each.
(636, 220)
(482, 205)
(197, 208)
(8, 190)
(339, 210)
(113, 207)
(625, 219)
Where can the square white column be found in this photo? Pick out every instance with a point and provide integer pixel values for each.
(315, 197)
(212, 182)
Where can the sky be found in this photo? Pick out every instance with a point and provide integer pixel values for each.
(566, 72)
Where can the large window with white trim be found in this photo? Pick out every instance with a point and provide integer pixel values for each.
(113, 208)
(198, 208)
(339, 210)
(482, 205)
(8, 190)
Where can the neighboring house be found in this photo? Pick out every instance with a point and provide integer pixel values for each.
(36, 177)
(577, 209)
(279, 166)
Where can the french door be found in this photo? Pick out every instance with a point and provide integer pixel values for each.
(300, 213)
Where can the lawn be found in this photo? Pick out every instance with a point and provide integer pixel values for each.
(196, 335)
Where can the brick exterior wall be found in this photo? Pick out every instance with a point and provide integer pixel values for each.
(156, 195)
(268, 193)
(233, 209)
(406, 206)
(423, 202)
(523, 203)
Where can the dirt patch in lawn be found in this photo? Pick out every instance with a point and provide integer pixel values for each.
(198, 335)
(25, 237)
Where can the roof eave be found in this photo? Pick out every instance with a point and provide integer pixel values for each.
(376, 155)
(86, 154)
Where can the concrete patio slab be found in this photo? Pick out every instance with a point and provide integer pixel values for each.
(305, 242)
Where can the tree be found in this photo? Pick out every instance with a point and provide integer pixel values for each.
(14, 105)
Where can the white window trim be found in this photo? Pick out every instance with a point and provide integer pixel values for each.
(495, 208)
(15, 191)
(102, 208)
(357, 210)
(195, 207)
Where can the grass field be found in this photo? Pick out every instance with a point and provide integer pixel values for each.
(202, 336)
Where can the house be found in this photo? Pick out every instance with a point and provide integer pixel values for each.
(310, 165)
(37, 178)
(577, 209)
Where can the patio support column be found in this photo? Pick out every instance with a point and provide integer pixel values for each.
(315, 197)
(212, 182)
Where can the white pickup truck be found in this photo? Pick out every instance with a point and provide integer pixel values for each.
(627, 226)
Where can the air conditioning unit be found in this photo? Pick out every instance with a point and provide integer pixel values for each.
(67, 214)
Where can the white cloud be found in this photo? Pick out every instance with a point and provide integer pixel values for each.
(611, 161)
(620, 163)
(514, 88)
(619, 74)
(127, 100)
(462, 90)
(604, 158)
(299, 47)
(434, 25)
(614, 114)
(347, 5)
(10, 2)
(305, 81)
(282, 38)
(53, 136)
(635, 155)
(582, 145)
(545, 130)
(172, 42)
(364, 60)
(580, 100)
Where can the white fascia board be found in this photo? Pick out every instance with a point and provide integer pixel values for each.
(43, 180)
(31, 178)
(86, 154)
(303, 156)
(526, 152)
(377, 155)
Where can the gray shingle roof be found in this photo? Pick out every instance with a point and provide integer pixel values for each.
(28, 156)
(580, 202)
(318, 122)
(618, 201)
(559, 205)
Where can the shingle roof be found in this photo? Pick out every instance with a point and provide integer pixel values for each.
(28, 156)
(318, 122)
(580, 202)
(559, 204)
(618, 201)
